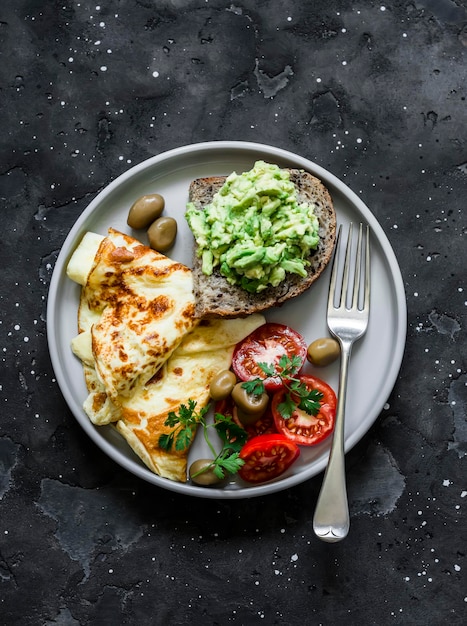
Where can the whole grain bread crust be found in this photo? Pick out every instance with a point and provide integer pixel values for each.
(215, 297)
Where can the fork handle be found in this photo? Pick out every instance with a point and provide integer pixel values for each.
(331, 520)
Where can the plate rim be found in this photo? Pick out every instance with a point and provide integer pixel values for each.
(173, 154)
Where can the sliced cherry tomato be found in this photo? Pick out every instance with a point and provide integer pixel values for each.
(267, 457)
(267, 344)
(302, 428)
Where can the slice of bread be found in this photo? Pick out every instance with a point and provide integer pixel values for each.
(215, 297)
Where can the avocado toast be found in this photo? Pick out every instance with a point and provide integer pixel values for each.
(217, 293)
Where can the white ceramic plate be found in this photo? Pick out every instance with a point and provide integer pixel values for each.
(376, 358)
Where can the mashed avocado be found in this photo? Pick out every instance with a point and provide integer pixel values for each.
(255, 230)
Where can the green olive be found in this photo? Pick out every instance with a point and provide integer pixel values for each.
(201, 472)
(250, 406)
(145, 210)
(222, 385)
(162, 233)
(323, 351)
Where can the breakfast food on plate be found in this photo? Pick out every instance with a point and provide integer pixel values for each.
(158, 341)
(262, 237)
(162, 233)
(145, 210)
(143, 351)
(323, 351)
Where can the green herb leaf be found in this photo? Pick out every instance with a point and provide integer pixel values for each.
(231, 434)
(268, 369)
(172, 419)
(232, 463)
(295, 363)
(166, 441)
(217, 469)
(297, 394)
(184, 438)
(311, 403)
(184, 423)
(299, 388)
(255, 387)
(287, 407)
(285, 365)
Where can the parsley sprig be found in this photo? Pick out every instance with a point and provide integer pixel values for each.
(297, 393)
(184, 424)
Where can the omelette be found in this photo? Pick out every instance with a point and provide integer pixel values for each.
(142, 350)
(135, 307)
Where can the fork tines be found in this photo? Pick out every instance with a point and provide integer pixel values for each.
(353, 292)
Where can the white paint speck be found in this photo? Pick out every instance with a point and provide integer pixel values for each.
(155, 74)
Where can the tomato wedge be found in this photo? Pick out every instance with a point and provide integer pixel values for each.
(300, 427)
(267, 457)
(267, 344)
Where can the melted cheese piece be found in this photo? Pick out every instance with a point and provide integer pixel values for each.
(137, 305)
(82, 259)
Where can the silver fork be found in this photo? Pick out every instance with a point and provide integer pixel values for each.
(347, 321)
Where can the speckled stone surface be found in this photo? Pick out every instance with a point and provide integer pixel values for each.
(376, 93)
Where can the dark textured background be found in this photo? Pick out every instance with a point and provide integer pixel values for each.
(376, 93)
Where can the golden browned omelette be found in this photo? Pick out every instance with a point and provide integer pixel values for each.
(142, 349)
(137, 305)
